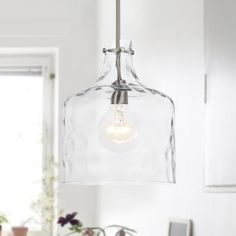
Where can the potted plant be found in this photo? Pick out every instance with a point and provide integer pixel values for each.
(3, 220)
(44, 207)
(76, 227)
(22, 230)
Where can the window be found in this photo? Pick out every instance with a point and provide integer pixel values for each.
(26, 140)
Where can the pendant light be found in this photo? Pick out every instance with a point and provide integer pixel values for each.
(119, 130)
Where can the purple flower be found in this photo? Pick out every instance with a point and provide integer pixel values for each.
(74, 222)
(89, 232)
(70, 217)
(62, 221)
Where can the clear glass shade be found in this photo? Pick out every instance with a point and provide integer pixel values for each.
(128, 142)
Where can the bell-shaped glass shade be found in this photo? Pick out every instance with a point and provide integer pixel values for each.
(131, 141)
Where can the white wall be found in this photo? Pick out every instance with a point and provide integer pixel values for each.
(168, 40)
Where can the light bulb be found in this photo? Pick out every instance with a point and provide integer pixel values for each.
(117, 129)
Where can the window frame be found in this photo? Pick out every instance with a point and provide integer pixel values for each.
(46, 59)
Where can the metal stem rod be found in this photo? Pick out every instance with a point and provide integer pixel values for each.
(119, 96)
(118, 33)
(118, 25)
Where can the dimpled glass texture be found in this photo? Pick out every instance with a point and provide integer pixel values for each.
(142, 150)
